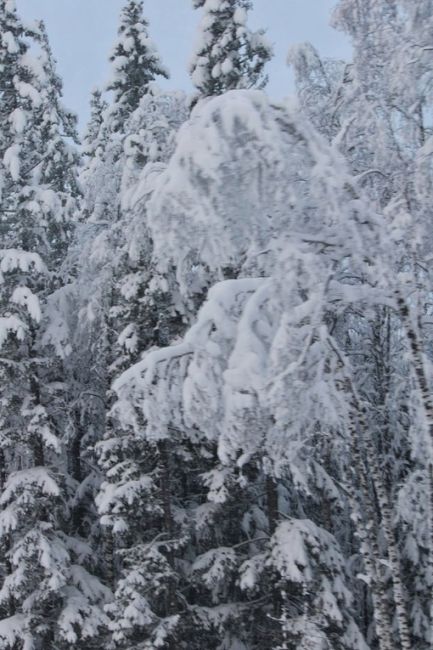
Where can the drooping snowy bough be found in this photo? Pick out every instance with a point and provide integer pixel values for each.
(262, 381)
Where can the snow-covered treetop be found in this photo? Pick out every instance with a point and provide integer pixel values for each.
(318, 84)
(91, 140)
(263, 194)
(54, 85)
(212, 203)
(8, 6)
(228, 55)
(135, 62)
(38, 165)
(149, 143)
(244, 176)
(18, 71)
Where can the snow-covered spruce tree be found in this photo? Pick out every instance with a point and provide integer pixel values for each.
(135, 474)
(124, 309)
(96, 251)
(144, 310)
(92, 140)
(95, 256)
(228, 55)
(57, 172)
(135, 64)
(46, 597)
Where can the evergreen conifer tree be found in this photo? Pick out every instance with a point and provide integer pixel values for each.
(228, 54)
(46, 596)
(129, 143)
(91, 140)
(135, 64)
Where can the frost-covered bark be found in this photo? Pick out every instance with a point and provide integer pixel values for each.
(389, 97)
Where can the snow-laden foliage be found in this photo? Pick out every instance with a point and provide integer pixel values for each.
(135, 63)
(319, 86)
(238, 381)
(228, 55)
(216, 418)
(48, 593)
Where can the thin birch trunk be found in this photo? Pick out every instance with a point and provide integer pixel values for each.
(417, 352)
(366, 534)
(385, 512)
(366, 515)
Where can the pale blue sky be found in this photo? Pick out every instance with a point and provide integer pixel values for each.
(82, 33)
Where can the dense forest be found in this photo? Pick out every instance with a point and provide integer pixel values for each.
(216, 342)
